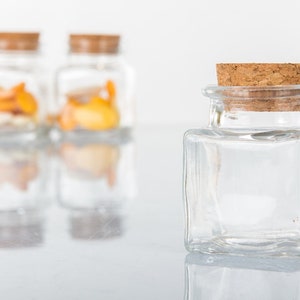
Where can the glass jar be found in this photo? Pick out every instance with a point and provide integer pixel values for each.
(241, 173)
(95, 89)
(21, 100)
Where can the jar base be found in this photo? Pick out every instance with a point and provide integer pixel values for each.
(118, 134)
(23, 137)
(264, 244)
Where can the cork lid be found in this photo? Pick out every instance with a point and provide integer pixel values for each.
(94, 43)
(21, 41)
(258, 74)
(258, 86)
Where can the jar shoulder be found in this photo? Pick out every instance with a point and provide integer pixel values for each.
(117, 65)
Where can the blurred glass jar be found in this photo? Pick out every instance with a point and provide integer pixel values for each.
(96, 181)
(23, 182)
(95, 89)
(22, 109)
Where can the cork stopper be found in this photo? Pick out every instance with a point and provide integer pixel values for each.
(253, 74)
(19, 41)
(264, 76)
(94, 43)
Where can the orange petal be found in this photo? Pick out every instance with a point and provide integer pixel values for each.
(6, 95)
(96, 116)
(66, 119)
(74, 102)
(8, 106)
(18, 88)
(27, 102)
(111, 89)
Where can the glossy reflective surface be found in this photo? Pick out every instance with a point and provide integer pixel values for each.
(109, 241)
(94, 221)
(233, 277)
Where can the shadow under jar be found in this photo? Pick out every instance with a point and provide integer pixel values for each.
(21, 108)
(242, 173)
(95, 89)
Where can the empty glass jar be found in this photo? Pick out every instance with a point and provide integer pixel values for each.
(95, 89)
(21, 99)
(242, 172)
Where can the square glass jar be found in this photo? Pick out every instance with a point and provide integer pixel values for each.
(242, 173)
(23, 93)
(95, 89)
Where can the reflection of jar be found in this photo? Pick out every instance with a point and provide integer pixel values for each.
(21, 109)
(23, 195)
(95, 182)
(95, 175)
(241, 174)
(235, 277)
(23, 228)
(95, 90)
(22, 177)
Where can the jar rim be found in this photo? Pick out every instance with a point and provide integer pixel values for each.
(216, 92)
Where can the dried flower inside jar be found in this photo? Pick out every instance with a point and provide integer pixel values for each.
(90, 108)
(21, 111)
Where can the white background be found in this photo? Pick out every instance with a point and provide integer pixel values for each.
(173, 44)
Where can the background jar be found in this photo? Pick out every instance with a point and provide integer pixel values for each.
(95, 89)
(22, 109)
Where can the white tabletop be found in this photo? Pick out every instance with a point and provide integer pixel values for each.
(134, 249)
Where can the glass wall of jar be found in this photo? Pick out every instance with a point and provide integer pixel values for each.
(241, 174)
(95, 182)
(95, 89)
(22, 109)
(23, 182)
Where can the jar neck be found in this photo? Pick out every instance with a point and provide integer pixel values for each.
(93, 59)
(254, 108)
(19, 59)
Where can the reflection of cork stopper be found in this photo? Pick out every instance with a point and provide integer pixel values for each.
(262, 74)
